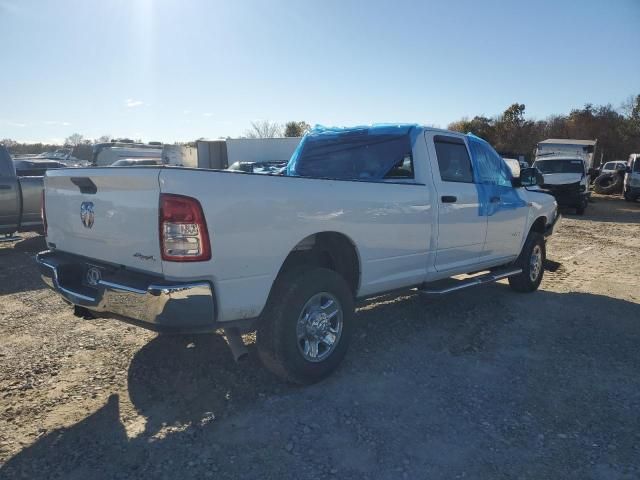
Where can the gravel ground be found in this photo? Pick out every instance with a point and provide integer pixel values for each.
(485, 383)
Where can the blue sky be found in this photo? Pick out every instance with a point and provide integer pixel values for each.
(182, 69)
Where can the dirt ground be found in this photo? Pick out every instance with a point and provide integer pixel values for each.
(485, 383)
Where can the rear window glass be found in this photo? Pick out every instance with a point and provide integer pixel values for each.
(453, 160)
(356, 155)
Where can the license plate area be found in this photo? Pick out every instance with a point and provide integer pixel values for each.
(92, 275)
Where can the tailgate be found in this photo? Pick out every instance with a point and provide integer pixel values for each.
(106, 214)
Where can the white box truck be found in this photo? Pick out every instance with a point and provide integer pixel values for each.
(567, 166)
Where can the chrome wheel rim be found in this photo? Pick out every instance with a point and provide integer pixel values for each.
(535, 263)
(319, 327)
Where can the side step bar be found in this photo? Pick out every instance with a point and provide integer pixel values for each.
(471, 282)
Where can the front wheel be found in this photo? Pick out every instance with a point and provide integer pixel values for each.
(531, 260)
(304, 332)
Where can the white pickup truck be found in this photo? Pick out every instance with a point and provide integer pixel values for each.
(358, 212)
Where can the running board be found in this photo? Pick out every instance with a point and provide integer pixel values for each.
(471, 282)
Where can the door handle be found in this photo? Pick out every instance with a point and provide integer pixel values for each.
(449, 199)
(494, 199)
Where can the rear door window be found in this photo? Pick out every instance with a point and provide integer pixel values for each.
(356, 156)
(453, 159)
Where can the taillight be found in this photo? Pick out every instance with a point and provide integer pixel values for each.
(183, 230)
(43, 213)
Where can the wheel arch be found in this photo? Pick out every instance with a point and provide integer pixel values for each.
(328, 249)
(539, 225)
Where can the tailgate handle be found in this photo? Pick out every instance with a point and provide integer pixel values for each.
(449, 199)
(85, 184)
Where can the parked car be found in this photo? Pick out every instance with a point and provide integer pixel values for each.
(359, 212)
(20, 198)
(272, 168)
(616, 166)
(35, 168)
(136, 162)
(105, 154)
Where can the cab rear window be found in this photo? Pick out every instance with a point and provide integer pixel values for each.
(356, 155)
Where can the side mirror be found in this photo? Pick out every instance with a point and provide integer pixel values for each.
(530, 177)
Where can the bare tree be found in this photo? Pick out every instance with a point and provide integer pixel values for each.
(74, 139)
(296, 129)
(103, 139)
(264, 129)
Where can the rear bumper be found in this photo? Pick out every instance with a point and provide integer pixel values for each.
(144, 300)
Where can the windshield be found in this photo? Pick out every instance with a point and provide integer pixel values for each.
(559, 166)
(608, 166)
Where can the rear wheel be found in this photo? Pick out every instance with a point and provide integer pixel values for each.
(531, 260)
(305, 329)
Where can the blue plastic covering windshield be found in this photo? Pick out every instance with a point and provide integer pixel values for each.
(492, 178)
(367, 153)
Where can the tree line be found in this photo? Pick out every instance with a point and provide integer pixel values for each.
(617, 131)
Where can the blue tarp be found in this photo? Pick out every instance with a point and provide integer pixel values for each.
(366, 152)
(369, 152)
(492, 178)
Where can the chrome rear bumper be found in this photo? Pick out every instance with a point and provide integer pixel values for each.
(145, 300)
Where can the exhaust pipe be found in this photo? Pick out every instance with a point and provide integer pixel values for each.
(237, 346)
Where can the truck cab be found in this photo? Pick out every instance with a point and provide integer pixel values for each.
(567, 179)
(569, 171)
(20, 198)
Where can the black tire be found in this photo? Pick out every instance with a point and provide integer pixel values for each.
(523, 281)
(277, 339)
(608, 183)
(582, 207)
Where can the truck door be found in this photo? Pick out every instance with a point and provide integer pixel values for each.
(9, 194)
(504, 206)
(461, 228)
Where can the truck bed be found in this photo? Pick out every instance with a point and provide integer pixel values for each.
(254, 221)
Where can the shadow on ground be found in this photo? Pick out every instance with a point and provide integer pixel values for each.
(608, 208)
(18, 269)
(549, 368)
